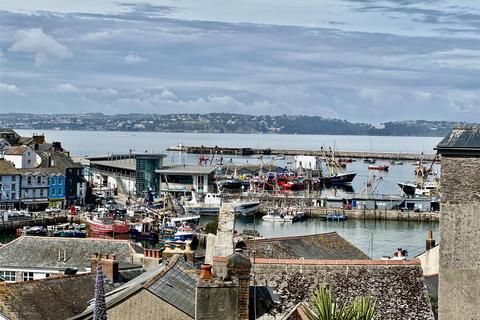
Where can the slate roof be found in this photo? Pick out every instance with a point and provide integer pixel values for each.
(7, 168)
(176, 286)
(461, 140)
(43, 252)
(329, 246)
(48, 299)
(173, 282)
(16, 151)
(61, 161)
(398, 287)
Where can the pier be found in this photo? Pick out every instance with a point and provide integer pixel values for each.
(305, 152)
(36, 220)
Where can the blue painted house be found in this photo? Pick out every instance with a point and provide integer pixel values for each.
(56, 190)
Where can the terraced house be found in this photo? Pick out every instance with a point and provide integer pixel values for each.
(9, 185)
(34, 188)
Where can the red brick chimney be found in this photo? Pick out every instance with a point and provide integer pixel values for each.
(109, 264)
(238, 266)
(110, 267)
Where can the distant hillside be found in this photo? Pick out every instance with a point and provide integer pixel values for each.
(221, 123)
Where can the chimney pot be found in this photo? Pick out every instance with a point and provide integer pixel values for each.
(206, 272)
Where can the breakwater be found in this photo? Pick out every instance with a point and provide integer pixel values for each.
(304, 152)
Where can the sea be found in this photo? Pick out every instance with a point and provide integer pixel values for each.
(376, 238)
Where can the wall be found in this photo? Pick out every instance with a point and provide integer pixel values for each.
(430, 261)
(34, 191)
(216, 300)
(145, 306)
(459, 277)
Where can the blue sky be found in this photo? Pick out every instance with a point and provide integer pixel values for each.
(369, 61)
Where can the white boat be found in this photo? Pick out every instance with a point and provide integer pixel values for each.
(209, 206)
(275, 216)
(184, 219)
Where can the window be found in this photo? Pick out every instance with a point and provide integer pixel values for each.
(53, 191)
(13, 196)
(13, 186)
(29, 180)
(27, 276)
(43, 192)
(29, 161)
(59, 191)
(8, 275)
(39, 180)
(59, 181)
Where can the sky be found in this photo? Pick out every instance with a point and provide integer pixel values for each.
(360, 60)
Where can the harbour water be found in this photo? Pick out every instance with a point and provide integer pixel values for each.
(376, 238)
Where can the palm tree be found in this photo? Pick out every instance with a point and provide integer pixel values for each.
(325, 307)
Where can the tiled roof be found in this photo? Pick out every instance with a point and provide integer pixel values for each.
(7, 168)
(44, 252)
(52, 298)
(398, 287)
(316, 246)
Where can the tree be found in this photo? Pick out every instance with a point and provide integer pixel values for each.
(326, 308)
(100, 308)
(212, 226)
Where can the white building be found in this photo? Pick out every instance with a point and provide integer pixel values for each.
(22, 157)
(187, 178)
(306, 162)
(9, 185)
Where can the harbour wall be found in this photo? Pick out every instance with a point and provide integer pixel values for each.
(375, 214)
(304, 152)
(12, 225)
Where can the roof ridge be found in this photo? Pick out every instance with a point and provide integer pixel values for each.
(171, 263)
(297, 237)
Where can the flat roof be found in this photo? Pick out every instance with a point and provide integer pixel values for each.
(185, 169)
(128, 164)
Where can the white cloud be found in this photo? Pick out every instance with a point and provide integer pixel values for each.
(133, 58)
(45, 48)
(9, 88)
(70, 88)
(66, 88)
(2, 57)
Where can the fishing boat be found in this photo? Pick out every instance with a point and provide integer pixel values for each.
(143, 231)
(275, 216)
(427, 188)
(246, 208)
(106, 225)
(230, 184)
(370, 161)
(184, 233)
(209, 206)
(334, 217)
(378, 167)
(338, 179)
(190, 219)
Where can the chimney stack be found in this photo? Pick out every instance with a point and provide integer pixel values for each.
(238, 266)
(430, 243)
(109, 264)
(110, 267)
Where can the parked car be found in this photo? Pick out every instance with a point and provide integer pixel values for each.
(52, 210)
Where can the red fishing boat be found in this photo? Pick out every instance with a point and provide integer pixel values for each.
(108, 226)
(381, 168)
